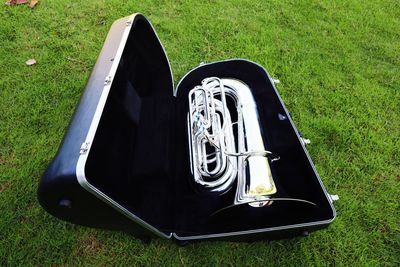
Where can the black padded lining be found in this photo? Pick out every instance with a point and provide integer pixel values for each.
(129, 158)
(140, 156)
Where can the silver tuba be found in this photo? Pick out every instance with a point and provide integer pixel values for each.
(226, 143)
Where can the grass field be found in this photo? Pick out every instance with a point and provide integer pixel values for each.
(339, 64)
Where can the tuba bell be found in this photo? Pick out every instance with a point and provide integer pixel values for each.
(226, 144)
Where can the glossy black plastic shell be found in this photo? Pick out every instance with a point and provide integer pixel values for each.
(59, 192)
(63, 196)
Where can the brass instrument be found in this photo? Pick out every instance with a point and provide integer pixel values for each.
(222, 150)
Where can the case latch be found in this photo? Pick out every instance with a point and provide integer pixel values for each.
(305, 141)
(333, 198)
(108, 79)
(84, 148)
(276, 81)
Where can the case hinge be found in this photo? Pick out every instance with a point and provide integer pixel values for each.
(107, 81)
(305, 141)
(84, 148)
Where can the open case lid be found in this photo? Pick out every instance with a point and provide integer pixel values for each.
(140, 62)
(131, 41)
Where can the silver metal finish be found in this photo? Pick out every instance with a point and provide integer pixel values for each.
(108, 80)
(84, 148)
(305, 141)
(219, 154)
(276, 81)
(334, 198)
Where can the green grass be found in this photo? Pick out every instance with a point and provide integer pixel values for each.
(339, 64)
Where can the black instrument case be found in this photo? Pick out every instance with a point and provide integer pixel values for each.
(124, 161)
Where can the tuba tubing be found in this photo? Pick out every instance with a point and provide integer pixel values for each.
(219, 156)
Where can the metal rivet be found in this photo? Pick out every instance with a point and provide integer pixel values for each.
(65, 203)
(281, 117)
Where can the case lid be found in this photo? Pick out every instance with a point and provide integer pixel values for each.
(127, 35)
